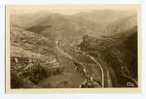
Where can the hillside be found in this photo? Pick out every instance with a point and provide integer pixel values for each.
(62, 51)
(119, 56)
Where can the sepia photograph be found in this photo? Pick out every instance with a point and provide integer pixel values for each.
(72, 46)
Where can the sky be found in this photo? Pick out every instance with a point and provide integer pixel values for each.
(69, 9)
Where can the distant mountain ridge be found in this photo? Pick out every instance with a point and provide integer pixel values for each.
(94, 23)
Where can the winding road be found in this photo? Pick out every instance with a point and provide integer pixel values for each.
(84, 68)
